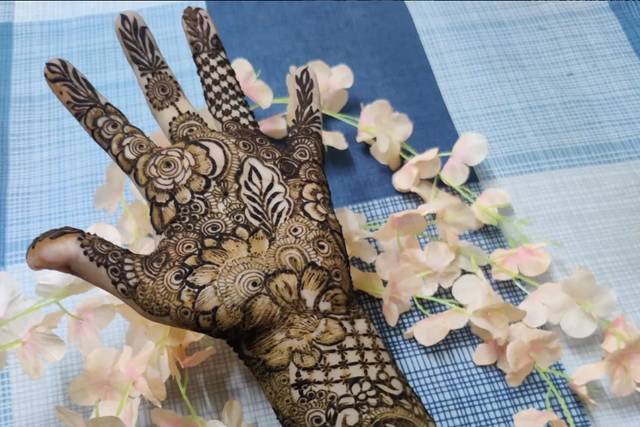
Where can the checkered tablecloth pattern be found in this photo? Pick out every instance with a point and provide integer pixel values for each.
(554, 86)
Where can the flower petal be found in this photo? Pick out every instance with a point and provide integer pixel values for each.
(471, 148)
(578, 324)
(274, 126)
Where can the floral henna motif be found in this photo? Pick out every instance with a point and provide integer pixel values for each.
(251, 250)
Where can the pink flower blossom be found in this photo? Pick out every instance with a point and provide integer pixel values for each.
(135, 227)
(436, 264)
(623, 368)
(128, 414)
(168, 418)
(70, 418)
(541, 305)
(333, 83)
(488, 203)
(618, 334)
(528, 259)
(40, 345)
(14, 328)
(401, 224)
(527, 348)
(422, 166)
(274, 126)
(453, 217)
(537, 418)
(92, 315)
(334, 139)
(487, 311)
(392, 259)
(55, 284)
(109, 194)
(101, 379)
(355, 232)
(583, 304)
(251, 85)
(134, 368)
(385, 131)
(433, 329)
(469, 150)
(396, 298)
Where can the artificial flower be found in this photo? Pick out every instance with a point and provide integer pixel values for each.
(385, 131)
(618, 334)
(355, 233)
(536, 418)
(135, 227)
(91, 316)
(274, 126)
(100, 380)
(623, 368)
(254, 88)
(168, 418)
(392, 259)
(333, 83)
(70, 418)
(40, 345)
(529, 259)
(582, 376)
(539, 304)
(109, 194)
(489, 352)
(486, 206)
(410, 222)
(470, 256)
(368, 282)
(469, 150)
(15, 320)
(585, 304)
(334, 139)
(486, 310)
(436, 264)
(396, 298)
(128, 413)
(453, 217)
(134, 368)
(527, 348)
(55, 284)
(232, 415)
(423, 166)
(433, 329)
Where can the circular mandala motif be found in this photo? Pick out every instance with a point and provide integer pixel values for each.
(162, 90)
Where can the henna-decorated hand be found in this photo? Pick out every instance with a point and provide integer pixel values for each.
(251, 249)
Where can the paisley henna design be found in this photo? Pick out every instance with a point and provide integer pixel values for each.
(251, 249)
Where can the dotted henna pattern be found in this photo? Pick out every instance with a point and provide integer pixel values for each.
(251, 250)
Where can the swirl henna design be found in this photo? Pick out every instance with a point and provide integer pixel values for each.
(251, 250)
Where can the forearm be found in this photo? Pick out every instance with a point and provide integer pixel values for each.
(351, 382)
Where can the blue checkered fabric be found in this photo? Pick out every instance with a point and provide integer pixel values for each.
(555, 87)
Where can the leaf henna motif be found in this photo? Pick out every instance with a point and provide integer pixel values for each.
(137, 40)
(266, 198)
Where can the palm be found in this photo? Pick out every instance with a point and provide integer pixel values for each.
(242, 220)
(250, 251)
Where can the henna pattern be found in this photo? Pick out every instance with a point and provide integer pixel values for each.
(251, 251)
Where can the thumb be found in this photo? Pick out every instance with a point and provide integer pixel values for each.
(88, 256)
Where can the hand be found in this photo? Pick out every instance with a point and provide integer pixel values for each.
(251, 250)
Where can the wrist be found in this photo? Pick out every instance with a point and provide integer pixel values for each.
(352, 381)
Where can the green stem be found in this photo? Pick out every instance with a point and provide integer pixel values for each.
(445, 302)
(547, 399)
(409, 148)
(32, 309)
(123, 399)
(558, 373)
(183, 393)
(11, 345)
(421, 307)
(445, 154)
(558, 396)
(67, 312)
